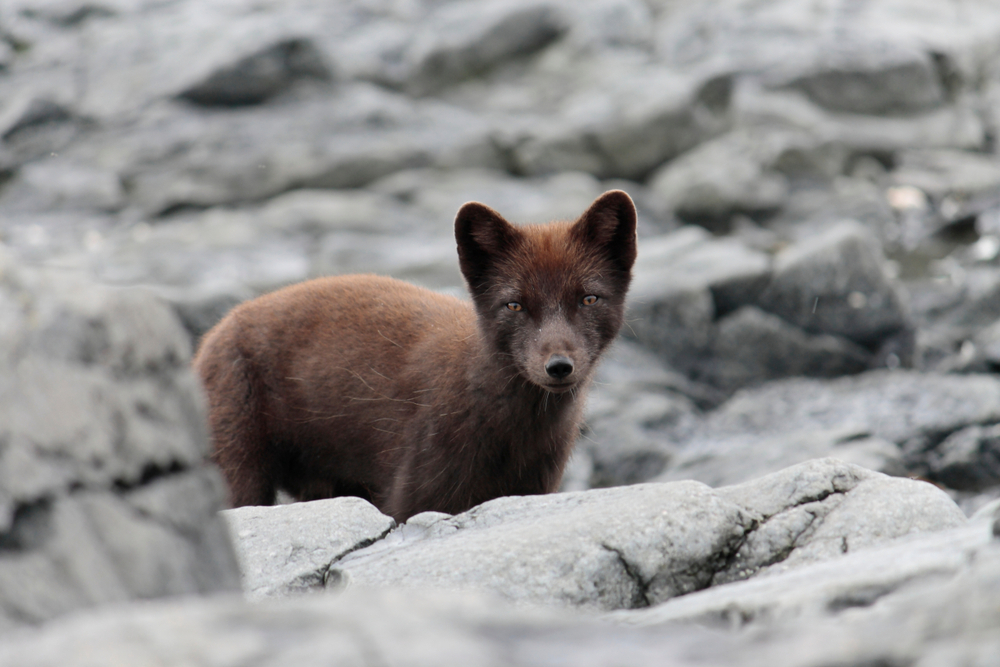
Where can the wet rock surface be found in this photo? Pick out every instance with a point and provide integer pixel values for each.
(818, 188)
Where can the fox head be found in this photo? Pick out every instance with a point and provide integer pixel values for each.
(549, 298)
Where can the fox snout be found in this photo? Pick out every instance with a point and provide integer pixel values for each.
(559, 367)
(557, 357)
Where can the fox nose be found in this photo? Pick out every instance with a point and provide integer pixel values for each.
(558, 366)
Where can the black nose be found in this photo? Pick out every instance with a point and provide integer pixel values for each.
(558, 366)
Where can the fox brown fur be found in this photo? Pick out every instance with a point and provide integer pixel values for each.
(367, 386)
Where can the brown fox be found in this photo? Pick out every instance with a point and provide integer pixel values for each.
(413, 400)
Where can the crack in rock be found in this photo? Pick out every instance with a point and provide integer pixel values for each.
(331, 577)
(640, 597)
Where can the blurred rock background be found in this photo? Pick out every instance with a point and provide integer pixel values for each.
(817, 183)
(819, 276)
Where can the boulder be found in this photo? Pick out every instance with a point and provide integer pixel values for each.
(258, 76)
(287, 548)
(968, 460)
(836, 283)
(682, 281)
(887, 420)
(750, 347)
(105, 495)
(734, 173)
(929, 602)
(625, 127)
(886, 574)
(867, 77)
(630, 547)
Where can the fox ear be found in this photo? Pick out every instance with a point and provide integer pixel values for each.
(609, 226)
(483, 236)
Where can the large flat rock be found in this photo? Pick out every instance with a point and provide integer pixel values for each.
(929, 601)
(635, 546)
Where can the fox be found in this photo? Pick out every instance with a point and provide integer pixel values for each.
(414, 400)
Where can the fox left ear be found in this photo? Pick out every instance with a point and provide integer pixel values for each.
(609, 224)
(483, 237)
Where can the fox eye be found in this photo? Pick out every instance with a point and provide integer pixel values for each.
(514, 305)
(589, 300)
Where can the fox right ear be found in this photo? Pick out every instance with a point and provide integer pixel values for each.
(483, 236)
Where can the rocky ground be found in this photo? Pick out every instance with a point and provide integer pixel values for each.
(814, 324)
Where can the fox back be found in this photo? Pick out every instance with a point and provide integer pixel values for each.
(371, 387)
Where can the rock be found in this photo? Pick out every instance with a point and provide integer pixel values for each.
(58, 185)
(604, 24)
(399, 627)
(584, 549)
(288, 548)
(631, 126)
(951, 126)
(751, 347)
(731, 174)
(800, 507)
(812, 211)
(959, 184)
(259, 76)
(890, 420)
(969, 459)
(682, 280)
(433, 196)
(576, 549)
(940, 173)
(622, 434)
(946, 616)
(884, 574)
(429, 262)
(836, 283)
(349, 138)
(868, 78)
(457, 41)
(463, 40)
(105, 495)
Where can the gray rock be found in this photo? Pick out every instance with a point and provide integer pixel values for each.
(288, 548)
(397, 627)
(855, 582)
(947, 617)
(822, 509)
(355, 134)
(750, 347)
(635, 408)
(433, 196)
(730, 174)
(630, 126)
(105, 495)
(586, 549)
(462, 40)
(870, 77)
(968, 460)
(256, 77)
(622, 433)
(836, 283)
(941, 173)
(885, 420)
(952, 126)
(457, 41)
(682, 280)
(581, 549)
(812, 210)
(427, 261)
(104, 492)
(59, 185)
